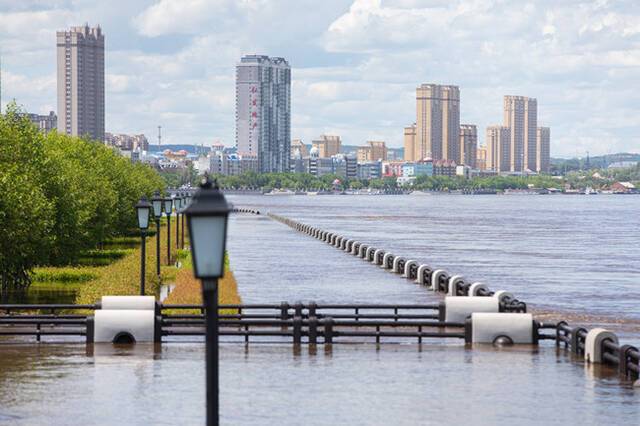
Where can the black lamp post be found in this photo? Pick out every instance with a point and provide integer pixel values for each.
(183, 205)
(176, 202)
(207, 221)
(156, 202)
(168, 209)
(143, 208)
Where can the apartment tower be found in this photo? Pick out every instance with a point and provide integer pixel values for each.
(543, 151)
(410, 145)
(521, 117)
(468, 145)
(438, 122)
(498, 144)
(81, 82)
(328, 145)
(263, 111)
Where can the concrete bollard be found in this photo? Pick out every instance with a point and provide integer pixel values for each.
(489, 327)
(475, 288)
(437, 277)
(421, 275)
(457, 309)
(385, 261)
(369, 254)
(355, 249)
(454, 283)
(407, 268)
(338, 241)
(376, 256)
(503, 295)
(593, 344)
(396, 265)
(363, 251)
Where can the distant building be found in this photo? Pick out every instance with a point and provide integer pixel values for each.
(80, 54)
(543, 155)
(468, 145)
(444, 168)
(481, 158)
(410, 146)
(498, 142)
(622, 164)
(263, 111)
(372, 151)
(44, 123)
(392, 168)
(463, 171)
(437, 122)
(370, 170)
(424, 168)
(623, 188)
(297, 144)
(327, 145)
(521, 117)
(127, 142)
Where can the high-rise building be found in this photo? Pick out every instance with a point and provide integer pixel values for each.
(438, 121)
(481, 158)
(543, 150)
(410, 145)
(328, 145)
(81, 82)
(498, 142)
(263, 111)
(521, 117)
(468, 145)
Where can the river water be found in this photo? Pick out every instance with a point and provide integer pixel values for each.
(571, 257)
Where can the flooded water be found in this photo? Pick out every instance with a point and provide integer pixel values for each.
(575, 256)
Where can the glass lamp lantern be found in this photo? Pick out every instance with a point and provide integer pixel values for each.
(143, 208)
(156, 201)
(168, 206)
(207, 220)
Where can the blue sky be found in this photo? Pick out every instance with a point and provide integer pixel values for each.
(356, 63)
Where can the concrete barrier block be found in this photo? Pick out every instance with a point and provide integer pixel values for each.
(110, 324)
(593, 344)
(502, 295)
(435, 279)
(370, 251)
(454, 282)
(375, 256)
(407, 267)
(487, 327)
(396, 265)
(355, 248)
(476, 287)
(420, 275)
(385, 260)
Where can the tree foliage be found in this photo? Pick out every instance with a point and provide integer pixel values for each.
(60, 195)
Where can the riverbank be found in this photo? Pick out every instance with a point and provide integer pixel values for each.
(115, 270)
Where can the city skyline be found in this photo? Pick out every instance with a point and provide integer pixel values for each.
(347, 81)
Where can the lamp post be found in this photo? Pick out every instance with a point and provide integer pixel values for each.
(156, 202)
(207, 221)
(183, 205)
(176, 202)
(168, 207)
(143, 208)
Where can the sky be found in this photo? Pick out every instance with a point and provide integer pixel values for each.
(355, 64)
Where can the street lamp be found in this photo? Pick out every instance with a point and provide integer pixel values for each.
(183, 206)
(168, 207)
(156, 201)
(207, 221)
(143, 208)
(176, 202)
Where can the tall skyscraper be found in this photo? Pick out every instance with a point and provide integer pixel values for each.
(438, 121)
(543, 150)
(263, 111)
(498, 142)
(468, 145)
(521, 117)
(81, 82)
(410, 145)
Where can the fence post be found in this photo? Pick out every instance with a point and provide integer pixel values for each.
(328, 330)
(297, 330)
